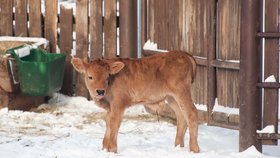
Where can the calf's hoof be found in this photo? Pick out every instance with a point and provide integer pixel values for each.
(110, 148)
(194, 148)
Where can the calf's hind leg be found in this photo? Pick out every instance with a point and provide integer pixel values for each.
(189, 111)
(180, 122)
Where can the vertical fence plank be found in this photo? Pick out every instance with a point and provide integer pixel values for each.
(194, 41)
(51, 23)
(211, 55)
(270, 107)
(228, 49)
(110, 30)
(66, 45)
(161, 26)
(35, 18)
(172, 20)
(81, 42)
(151, 20)
(156, 21)
(6, 16)
(128, 28)
(143, 22)
(21, 18)
(95, 29)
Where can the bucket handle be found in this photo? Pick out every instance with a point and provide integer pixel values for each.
(12, 70)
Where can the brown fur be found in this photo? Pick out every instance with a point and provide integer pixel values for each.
(153, 79)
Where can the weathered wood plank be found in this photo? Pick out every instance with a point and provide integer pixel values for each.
(35, 18)
(17, 101)
(21, 18)
(81, 42)
(173, 18)
(161, 24)
(194, 40)
(128, 28)
(151, 21)
(270, 107)
(5, 79)
(95, 29)
(66, 45)
(4, 99)
(6, 16)
(110, 30)
(156, 21)
(144, 18)
(51, 23)
(228, 49)
(211, 10)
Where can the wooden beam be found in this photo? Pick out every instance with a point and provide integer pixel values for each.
(81, 43)
(66, 45)
(110, 29)
(250, 75)
(51, 24)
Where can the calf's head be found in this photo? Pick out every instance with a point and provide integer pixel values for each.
(96, 74)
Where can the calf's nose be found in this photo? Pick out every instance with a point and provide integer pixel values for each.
(100, 92)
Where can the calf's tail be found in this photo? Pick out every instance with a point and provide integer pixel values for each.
(193, 66)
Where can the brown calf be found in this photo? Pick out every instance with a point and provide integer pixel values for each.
(116, 84)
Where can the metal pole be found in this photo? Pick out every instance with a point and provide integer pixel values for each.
(128, 28)
(250, 95)
(139, 29)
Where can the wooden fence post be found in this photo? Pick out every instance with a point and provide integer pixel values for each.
(6, 16)
(211, 55)
(66, 45)
(110, 28)
(250, 95)
(81, 42)
(95, 29)
(128, 28)
(21, 18)
(51, 24)
(35, 18)
(144, 23)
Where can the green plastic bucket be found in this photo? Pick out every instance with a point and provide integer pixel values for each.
(40, 73)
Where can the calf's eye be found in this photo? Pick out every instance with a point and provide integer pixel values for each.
(90, 77)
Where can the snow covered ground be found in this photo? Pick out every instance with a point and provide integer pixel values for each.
(70, 127)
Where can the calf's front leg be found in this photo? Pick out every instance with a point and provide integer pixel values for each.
(113, 122)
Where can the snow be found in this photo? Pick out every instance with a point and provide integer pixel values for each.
(37, 41)
(268, 129)
(201, 107)
(70, 127)
(152, 46)
(270, 79)
(223, 109)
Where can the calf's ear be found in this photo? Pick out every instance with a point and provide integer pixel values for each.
(116, 67)
(78, 64)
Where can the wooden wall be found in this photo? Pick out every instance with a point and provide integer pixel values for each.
(202, 29)
(95, 34)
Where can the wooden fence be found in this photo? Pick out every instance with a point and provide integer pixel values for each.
(95, 34)
(210, 30)
(193, 27)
